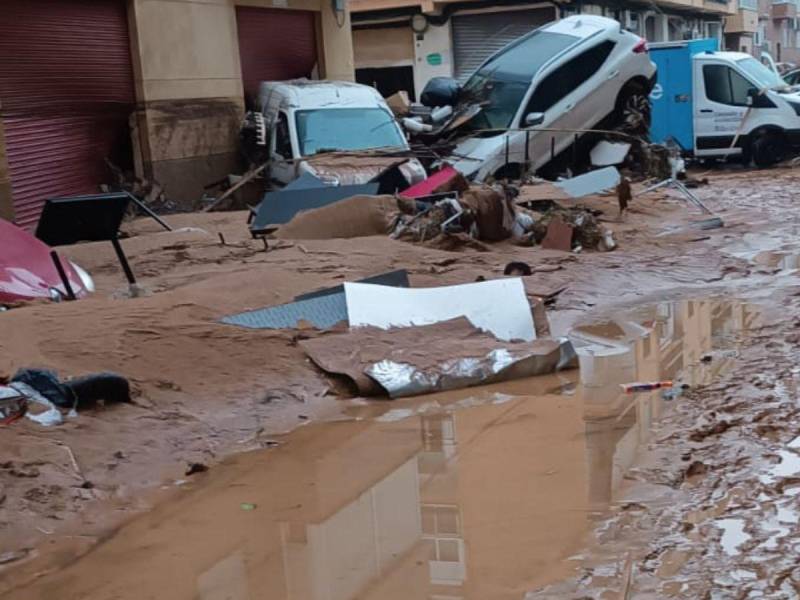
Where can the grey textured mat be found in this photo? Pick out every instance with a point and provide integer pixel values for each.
(321, 311)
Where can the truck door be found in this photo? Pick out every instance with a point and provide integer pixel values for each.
(720, 105)
(282, 168)
(567, 96)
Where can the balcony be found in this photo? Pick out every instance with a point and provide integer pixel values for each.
(748, 5)
(783, 10)
(745, 21)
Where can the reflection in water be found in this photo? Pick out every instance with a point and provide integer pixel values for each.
(476, 494)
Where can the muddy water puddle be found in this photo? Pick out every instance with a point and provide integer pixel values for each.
(482, 493)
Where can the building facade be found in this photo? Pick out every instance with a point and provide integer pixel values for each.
(778, 30)
(401, 44)
(155, 87)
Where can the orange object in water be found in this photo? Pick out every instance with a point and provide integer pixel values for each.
(644, 386)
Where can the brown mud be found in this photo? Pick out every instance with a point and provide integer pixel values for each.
(557, 487)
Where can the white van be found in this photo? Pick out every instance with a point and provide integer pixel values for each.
(305, 122)
(537, 92)
(718, 104)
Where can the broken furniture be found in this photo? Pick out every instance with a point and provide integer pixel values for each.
(93, 218)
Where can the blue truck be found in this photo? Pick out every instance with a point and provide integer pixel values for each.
(715, 104)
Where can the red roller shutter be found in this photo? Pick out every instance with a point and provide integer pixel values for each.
(66, 91)
(275, 45)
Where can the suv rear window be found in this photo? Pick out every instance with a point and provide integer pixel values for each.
(503, 81)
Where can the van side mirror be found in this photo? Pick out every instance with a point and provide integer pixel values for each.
(533, 119)
(752, 94)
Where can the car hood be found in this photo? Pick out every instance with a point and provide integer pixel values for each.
(346, 169)
(26, 270)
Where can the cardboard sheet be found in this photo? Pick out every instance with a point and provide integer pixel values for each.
(499, 306)
(444, 356)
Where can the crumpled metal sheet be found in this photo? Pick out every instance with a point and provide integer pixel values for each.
(403, 379)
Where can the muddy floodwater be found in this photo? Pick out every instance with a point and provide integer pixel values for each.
(487, 493)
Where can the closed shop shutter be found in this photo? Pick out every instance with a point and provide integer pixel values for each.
(275, 45)
(66, 93)
(477, 37)
(383, 47)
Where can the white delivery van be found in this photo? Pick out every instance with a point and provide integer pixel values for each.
(303, 123)
(539, 91)
(718, 104)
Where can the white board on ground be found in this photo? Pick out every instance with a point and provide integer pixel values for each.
(499, 306)
(592, 182)
(607, 153)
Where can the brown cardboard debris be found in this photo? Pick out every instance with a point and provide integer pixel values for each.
(399, 103)
(359, 216)
(559, 236)
(493, 212)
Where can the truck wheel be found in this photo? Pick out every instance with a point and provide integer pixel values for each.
(633, 111)
(768, 148)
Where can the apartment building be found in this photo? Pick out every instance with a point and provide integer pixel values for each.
(155, 86)
(778, 30)
(401, 44)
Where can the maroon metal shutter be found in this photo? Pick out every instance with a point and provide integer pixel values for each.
(275, 45)
(66, 91)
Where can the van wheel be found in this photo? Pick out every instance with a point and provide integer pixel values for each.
(633, 111)
(768, 148)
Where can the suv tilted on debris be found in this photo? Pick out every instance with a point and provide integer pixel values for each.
(343, 133)
(539, 92)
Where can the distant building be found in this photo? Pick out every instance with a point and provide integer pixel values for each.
(401, 44)
(777, 30)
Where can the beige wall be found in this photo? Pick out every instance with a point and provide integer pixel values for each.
(189, 84)
(745, 21)
(6, 204)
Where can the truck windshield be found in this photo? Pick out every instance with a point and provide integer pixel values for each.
(502, 82)
(761, 75)
(328, 129)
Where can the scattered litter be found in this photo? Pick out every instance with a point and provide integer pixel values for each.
(248, 506)
(13, 405)
(712, 223)
(13, 556)
(593, 182)
(559, 236)
(607, 153)
(194, 468)
(499, 306)
(446, 179)
(632, 388)
(399, 103)
(517, 269)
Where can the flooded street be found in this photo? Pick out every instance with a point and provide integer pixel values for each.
(558, 486)
(483, 493)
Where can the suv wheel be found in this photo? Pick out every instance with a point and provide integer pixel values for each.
(633, 113)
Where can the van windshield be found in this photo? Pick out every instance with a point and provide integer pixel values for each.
(502, 82)
(328, 129)
(761, 75)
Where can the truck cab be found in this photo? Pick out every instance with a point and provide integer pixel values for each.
(717, 104)
(341, 132)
